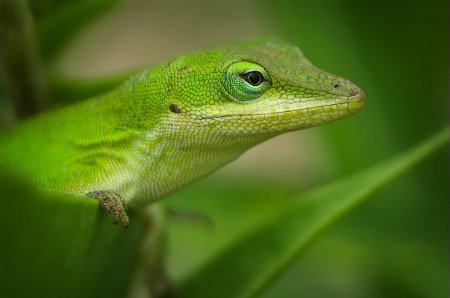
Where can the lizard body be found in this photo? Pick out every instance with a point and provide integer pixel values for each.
(175, 123)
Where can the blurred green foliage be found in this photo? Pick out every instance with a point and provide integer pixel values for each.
(58, 21)
(398, 53)
(252, 262)
(54, 247)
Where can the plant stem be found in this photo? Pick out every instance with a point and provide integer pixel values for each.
(20, 64)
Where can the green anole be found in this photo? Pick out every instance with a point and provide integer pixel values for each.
(174, 123)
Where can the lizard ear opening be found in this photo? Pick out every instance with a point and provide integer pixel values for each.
(174, 109)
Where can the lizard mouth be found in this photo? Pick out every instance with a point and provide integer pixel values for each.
(341, 108)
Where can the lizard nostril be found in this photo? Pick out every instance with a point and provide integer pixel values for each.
(335, 86)
(355, 91)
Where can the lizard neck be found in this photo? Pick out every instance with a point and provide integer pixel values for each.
(183, 161)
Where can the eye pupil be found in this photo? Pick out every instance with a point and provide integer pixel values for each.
(254, 78)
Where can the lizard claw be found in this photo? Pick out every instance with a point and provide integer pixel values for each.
(113, 203)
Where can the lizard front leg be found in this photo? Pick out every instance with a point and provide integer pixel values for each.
(112, 202)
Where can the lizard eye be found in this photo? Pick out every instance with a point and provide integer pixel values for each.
(245, 81)
(254, 78)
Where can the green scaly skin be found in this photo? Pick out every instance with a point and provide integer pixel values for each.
(175, 123)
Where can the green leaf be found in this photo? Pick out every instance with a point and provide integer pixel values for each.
(66, 90)
(250, 264)
(58, 22)
(66, 247)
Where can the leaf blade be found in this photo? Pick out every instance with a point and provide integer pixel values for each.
(292, 232)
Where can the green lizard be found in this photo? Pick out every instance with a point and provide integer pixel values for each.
(175, 123)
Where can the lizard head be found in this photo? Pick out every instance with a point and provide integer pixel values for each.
(261, 89)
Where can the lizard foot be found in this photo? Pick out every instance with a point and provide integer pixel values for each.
(113, 203)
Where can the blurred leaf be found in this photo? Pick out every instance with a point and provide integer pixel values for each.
(66, 90)
(65, 247)
(24, 82)
(253, 262)
(58, 21)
